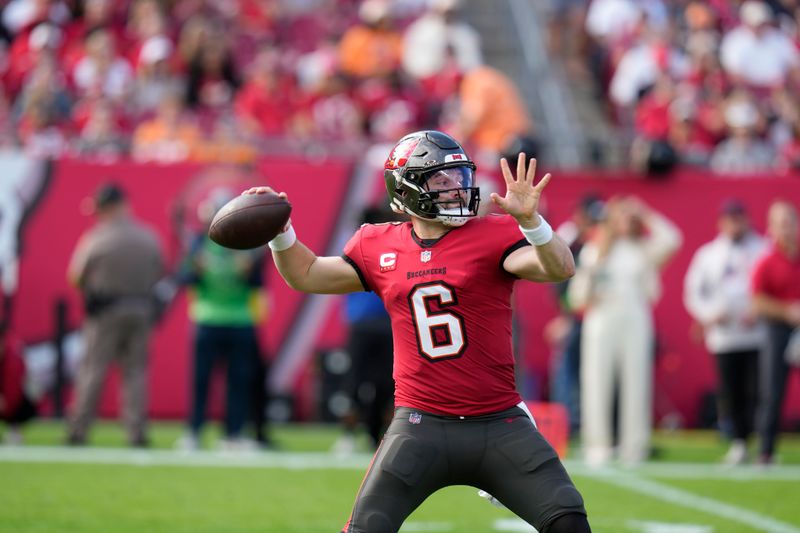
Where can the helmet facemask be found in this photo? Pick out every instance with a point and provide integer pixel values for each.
(442, 194)
(450, 194)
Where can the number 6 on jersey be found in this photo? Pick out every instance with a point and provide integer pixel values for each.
(440, 335)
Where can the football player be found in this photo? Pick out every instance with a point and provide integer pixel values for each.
(446, 279)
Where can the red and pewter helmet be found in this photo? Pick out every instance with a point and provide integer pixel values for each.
(428, 175)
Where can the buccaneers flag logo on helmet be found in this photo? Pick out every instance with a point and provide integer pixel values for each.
(428, 175)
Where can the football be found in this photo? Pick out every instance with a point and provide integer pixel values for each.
(249, 221)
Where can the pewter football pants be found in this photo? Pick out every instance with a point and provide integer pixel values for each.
(502, 453)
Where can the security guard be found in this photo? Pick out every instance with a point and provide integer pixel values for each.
(115, 265)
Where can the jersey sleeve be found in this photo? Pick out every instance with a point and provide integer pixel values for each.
(355, 258)
(507, 236)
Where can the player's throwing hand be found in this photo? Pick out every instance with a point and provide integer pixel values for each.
(262, 189)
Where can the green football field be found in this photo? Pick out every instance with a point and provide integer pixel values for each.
(304, 488)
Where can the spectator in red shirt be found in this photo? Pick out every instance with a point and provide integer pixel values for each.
(392, 106)
(103, 69)
(257, 17)
(331, 112)
(652, 150)
(776, 295)
(27, 50)
(96, 14)
(652, 117)
(261, 104)
(146, 20)
(697, 127)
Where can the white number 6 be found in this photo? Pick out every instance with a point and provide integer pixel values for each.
(441, 334)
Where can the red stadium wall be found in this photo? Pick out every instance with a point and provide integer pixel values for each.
(684, 370)
(155, 192)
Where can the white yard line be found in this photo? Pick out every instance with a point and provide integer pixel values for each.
(519, 526)
(513, 524)
(666, 493)
(122, 456)
(408, 527)
(359, 461)
(701, 471)
(668, 527)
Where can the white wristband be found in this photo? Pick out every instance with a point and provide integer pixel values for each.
(540, 235)
(283, 240)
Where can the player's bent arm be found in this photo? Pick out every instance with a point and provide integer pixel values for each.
(549, 262)
(305, 271)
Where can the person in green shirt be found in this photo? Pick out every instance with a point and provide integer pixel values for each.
(226, 304)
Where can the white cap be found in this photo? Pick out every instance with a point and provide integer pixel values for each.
(371, 11)
(155, 49)
(444, 5)
(754, 13)
(741, 114)
(44, 35)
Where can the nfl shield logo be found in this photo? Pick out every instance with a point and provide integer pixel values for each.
(425, 256)
(415, 418)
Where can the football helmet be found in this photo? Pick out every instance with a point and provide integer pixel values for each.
(428, 175)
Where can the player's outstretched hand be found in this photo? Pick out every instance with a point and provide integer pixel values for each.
(263, 189)
(522, 195)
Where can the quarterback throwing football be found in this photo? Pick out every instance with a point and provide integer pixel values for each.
(446, 278)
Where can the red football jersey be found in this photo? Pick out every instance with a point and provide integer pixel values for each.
(450, 305)
(776, 275)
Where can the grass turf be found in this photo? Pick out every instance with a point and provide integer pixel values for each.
(65, 497)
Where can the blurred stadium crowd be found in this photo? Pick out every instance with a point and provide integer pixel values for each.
(703, 83)
(712, 83)
(213, 80)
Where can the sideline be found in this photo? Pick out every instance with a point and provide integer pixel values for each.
(147, 458)
(358, 461)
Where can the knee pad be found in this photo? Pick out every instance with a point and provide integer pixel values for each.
(378, 522)
(569, 523)
(372, 522)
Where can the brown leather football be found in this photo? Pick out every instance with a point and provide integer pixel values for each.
(250, 220)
